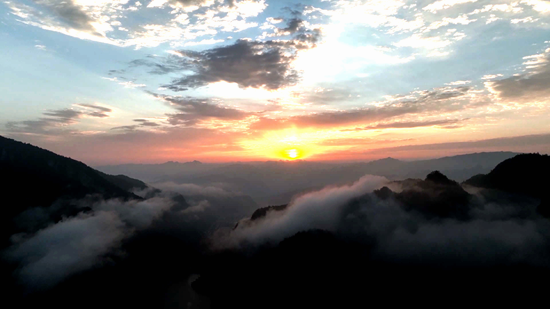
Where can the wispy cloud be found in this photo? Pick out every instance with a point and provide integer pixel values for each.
(56, 121)
(531, 85)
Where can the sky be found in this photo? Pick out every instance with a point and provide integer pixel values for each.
(124, 81)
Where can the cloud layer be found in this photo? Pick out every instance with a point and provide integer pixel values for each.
(68, 247)
(73, 245)
(497, 230)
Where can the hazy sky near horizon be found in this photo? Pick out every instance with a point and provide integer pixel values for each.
(226, 80)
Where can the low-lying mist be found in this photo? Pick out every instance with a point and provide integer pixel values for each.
(495, 229)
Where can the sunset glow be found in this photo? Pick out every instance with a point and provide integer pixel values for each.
(222, 81)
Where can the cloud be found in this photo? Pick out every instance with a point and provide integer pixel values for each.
(538, 5)
(90, 20)
(191, 20)
(181, 3)
(76, 244)
(193, 110)
(247, 63)
(190, 3)
(518, 143)
(491, 76)
(156, 68)
(445, 4)
(532, 85)
(318, 210)
(142, 123)
(200, 207)
(419, 102)
(479, 243)
(212, 203)
(96, 110)
(112, 22)
(127, 84)
(329, 95)
(459, 83)
(397, 228)
(342, 118)
(412, 124)
(203, 42)
(432, 27)
(63, 115)
(125, 128)
(68, 247)
(146, 123)
(69, 14)
(190, 189)
(55, 120)
(138, 214)
(294, 25)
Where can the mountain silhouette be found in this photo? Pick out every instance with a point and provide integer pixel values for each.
(262, 212)
(124, 182)
(151, 172)
(34, 177)
(526, 174)
(435, 196)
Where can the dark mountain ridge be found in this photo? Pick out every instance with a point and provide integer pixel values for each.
(150, 172)
(262, 212)
(124, 182)
(44, 190)
(526, 174)
(35, 177)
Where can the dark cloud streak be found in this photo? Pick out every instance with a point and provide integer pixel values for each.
(247, 63)
(411, 124)
(70, 14)
(424, 102)
(192, 110)
(58, 118)
(529, 86)
(500, 143)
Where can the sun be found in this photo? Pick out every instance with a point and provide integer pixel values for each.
(292, 153)
(282, 145)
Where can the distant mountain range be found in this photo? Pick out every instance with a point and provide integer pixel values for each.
(277, 182)
(151, 172)
(457, 167)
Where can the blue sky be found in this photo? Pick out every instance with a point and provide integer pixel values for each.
(219, 80)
